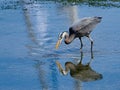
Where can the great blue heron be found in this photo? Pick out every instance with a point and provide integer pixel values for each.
(82, 72)
(79, 29)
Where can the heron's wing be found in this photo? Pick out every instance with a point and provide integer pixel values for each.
(84, 25)
(79, 25)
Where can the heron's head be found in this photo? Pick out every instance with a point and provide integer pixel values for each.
(60, 38)
(97, 19)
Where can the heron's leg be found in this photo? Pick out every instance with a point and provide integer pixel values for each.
(81, 43)
(91, 42)
(81, 57)
(91, 59)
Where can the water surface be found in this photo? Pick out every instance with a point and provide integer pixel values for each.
(28, 34)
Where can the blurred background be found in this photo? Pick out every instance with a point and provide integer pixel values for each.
(29, 31)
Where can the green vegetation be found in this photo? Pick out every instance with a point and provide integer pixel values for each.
(95, 3)
(15, 4)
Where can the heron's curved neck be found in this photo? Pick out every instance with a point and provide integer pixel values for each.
(69, 66)
(68, 38)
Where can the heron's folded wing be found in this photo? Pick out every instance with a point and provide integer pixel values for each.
(79, 25)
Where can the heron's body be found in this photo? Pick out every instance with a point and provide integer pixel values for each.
(82, 72)
(80, 29)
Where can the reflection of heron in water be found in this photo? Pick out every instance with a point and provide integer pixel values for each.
(79, 29)
(82, 72)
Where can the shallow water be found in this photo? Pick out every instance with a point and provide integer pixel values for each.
(28, 34)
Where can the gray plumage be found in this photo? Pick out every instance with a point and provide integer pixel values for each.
(84, 26)
(79, 29)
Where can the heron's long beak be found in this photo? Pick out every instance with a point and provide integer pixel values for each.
(58, 43)
(62, 71)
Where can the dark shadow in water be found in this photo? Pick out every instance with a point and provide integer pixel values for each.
(80, 71)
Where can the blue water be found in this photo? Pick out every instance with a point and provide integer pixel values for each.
(28, 34)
